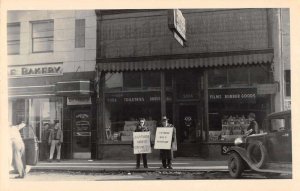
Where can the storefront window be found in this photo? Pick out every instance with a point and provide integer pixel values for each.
(217, 77)
(122, 111)
(113, 81)
(258, 75)
(187, 85)
(37, 112)
(151, 79)
(238, 76)
(132, 80)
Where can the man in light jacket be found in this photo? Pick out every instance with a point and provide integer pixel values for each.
(55, 140)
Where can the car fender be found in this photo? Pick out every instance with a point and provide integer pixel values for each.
(243, 153)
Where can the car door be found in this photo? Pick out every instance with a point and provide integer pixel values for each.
(279, 139)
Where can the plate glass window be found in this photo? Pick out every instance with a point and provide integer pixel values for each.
(42, 36)
(13, 38)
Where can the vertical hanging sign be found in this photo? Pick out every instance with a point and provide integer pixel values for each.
(177, 25)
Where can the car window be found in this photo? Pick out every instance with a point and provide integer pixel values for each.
(277, 125)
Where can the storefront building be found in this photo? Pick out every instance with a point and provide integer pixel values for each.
(51, 72)
(206, 85)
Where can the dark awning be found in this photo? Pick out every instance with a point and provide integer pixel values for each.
(227, 60)
(75, 88)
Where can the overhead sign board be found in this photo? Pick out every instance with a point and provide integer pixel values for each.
(177, 24)
(244, 95)
(35, 70)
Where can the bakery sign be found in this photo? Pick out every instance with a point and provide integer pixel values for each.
(35, 70)
(242, 95)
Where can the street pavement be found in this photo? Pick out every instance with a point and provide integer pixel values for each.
(186, 164)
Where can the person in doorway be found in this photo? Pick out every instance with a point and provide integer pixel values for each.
(46, 133)
(166, 155)
(55, 141)
(141, 128)
(253, 127)
(18, 150)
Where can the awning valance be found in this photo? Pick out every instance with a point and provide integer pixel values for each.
(227, 60)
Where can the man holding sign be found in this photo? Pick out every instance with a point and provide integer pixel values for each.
(141, 143)
(165, 140)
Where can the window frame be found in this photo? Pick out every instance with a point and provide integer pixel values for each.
(18, 41)
(32, 38)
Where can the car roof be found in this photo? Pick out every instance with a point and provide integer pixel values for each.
(280, 113)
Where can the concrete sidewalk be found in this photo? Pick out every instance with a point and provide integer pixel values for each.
(179, 164)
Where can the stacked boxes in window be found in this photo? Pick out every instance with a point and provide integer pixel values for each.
(129, 128)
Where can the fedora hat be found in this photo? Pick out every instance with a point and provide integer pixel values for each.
(164, 118)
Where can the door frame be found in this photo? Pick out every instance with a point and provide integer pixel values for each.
(74, 111)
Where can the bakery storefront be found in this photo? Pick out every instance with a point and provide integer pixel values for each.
(41, 94)
(206, 71)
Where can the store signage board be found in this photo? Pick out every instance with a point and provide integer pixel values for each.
(267, 89)
(141, 142)
(177, 25)
(246, 95)
(163, 138)
(35, 70)
(79, 101)
(134, 97)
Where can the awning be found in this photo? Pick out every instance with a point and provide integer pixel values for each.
(227, 60)
(31, 91)
(74, 88)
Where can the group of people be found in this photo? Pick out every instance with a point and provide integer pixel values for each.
(166, 155)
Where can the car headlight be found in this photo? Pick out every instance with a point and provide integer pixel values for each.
(238, 141)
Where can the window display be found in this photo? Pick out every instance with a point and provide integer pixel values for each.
(38, 112)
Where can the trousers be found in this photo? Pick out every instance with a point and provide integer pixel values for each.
(19, 162)
(138, 158)
(55, 144)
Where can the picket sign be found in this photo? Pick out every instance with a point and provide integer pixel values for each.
(141, 142)
(163, 138)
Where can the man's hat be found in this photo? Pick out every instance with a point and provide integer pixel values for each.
(142, 119)
(164, 118)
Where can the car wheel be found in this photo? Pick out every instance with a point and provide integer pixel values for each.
(235, 165)
(257, 153)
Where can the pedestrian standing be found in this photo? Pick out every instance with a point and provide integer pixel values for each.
(141, 128)
(45, 139)
(55, 140)
(166, 155)
(18, 150)
(253, 127)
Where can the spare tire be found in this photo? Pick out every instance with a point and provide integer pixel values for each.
(257, 153)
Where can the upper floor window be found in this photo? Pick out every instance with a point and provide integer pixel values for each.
(42, 36)
(79, 33)
(287, 79)
(13, 38)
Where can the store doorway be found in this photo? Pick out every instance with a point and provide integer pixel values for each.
(81, 126)
(186, 127)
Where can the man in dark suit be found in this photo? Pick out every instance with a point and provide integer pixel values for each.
(166, 155)
(141, 128)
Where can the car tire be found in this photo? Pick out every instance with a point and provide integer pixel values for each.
(258, 159)
(235, 165)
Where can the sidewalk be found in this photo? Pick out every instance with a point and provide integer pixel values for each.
(179, 164)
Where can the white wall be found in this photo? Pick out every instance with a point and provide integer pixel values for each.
(81, 59)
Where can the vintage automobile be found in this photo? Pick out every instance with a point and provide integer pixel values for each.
(269, 152)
